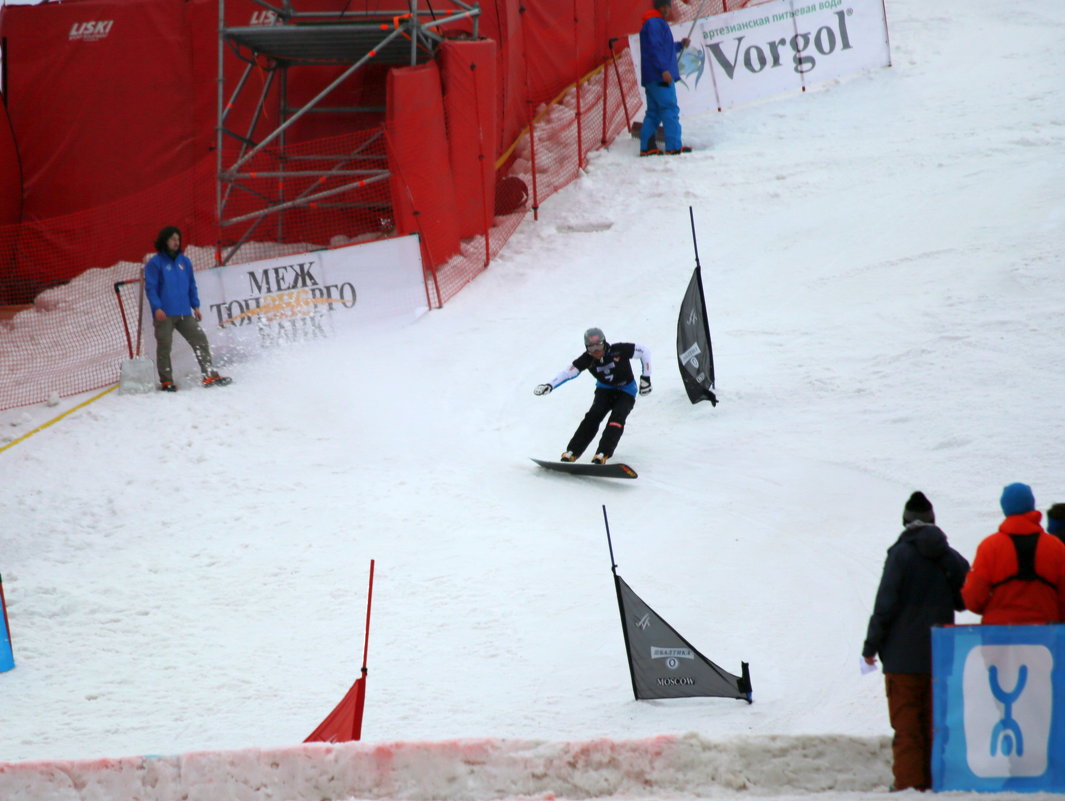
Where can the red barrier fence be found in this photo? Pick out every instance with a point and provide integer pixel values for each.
(70, 339)
(468, 144)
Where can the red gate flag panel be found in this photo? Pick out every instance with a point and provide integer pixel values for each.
(344, 723)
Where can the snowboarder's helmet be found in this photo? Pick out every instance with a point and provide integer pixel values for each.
(594, 337)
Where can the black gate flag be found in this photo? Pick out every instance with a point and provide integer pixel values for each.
(663, 664)
(695, 356)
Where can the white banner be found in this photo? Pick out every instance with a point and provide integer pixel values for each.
(308, 296)
(774, 48)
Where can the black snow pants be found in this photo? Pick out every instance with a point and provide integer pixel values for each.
(614, 402)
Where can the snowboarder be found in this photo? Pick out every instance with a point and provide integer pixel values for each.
(615, 391)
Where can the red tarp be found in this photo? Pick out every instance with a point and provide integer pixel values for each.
(423, 194)
(10, 173)
(469, 76)
(99, 95)
(110, 98)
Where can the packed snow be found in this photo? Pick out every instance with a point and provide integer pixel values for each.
(186, 575)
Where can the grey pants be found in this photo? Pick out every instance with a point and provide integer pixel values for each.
(188, 327)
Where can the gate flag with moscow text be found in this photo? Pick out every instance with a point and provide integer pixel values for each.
(663, 664)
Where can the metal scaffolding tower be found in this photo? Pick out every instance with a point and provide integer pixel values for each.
(295, 39)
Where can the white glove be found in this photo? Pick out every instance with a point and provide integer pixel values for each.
(645, 385)
(542, 389)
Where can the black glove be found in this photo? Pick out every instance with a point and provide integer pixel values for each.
(645, 385)
(542, 389)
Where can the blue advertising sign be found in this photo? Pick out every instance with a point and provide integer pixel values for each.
(7, 656)
(994, 690)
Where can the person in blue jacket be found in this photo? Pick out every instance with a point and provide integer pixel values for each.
(170, 286)
(658, 76)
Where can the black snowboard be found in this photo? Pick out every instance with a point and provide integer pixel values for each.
(615, 470)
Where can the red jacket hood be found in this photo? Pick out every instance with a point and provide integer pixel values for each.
(654, 12)
(1027, 523)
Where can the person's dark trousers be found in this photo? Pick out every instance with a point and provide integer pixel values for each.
(189, 328)
(909, 697)
(614, 402)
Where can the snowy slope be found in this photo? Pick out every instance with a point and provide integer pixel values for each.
(882, 266)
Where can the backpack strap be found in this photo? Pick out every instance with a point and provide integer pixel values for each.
(1025, 545)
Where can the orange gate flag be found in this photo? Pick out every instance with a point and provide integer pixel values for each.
(344, 723)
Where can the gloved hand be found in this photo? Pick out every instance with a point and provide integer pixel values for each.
(542, 389)
(645, 385)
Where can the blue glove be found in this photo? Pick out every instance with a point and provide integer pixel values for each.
(542, 389)
(645, 385)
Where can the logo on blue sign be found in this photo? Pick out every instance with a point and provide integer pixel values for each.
(1006, 692)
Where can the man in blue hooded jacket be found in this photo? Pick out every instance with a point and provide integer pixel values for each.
(170, 285)
(658, 76)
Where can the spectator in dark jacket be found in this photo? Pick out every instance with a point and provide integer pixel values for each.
(1018, 574)
(658, 76)
(920, 588)
(1056, 521)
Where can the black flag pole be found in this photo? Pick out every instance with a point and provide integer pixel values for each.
(621, 608)
(699, 270)
(695, 242)
(609, 544)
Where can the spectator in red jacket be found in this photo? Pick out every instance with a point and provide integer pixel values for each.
(1018, 575)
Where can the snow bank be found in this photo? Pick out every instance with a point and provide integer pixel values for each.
(468, 770)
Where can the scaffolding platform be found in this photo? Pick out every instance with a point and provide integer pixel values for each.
(297, 39)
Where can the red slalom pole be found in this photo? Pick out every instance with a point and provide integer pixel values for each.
(360, 698)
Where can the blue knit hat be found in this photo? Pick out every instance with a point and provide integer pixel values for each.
(1017, 499)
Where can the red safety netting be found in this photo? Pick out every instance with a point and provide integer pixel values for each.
(544, 158)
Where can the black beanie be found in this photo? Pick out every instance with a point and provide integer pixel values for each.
(918, 507)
